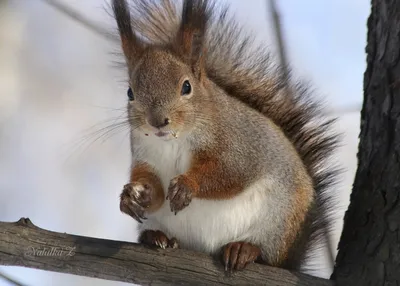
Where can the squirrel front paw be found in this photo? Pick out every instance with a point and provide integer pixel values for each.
(135, 199)
(180, 193)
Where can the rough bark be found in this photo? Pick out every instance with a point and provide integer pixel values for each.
(24, 244)
(369, 249)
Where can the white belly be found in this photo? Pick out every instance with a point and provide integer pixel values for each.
(204, 225)
(207, 225)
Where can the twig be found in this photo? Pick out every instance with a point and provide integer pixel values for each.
(279, 38)
(79, 18)
(10, 280)
(24, 244)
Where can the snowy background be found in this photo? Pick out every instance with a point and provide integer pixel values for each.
(57, 81)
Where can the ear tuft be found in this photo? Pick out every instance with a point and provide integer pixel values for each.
(131, 46)
(192, 33)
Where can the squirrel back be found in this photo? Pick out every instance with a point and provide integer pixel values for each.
(246, 72)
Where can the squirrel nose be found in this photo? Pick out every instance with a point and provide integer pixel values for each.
(158, 122)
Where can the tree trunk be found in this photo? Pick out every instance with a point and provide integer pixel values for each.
(369, 249)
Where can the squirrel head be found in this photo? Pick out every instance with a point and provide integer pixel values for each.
(165, 96)
(166, 89)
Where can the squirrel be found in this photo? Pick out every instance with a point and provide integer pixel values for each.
(228, 156)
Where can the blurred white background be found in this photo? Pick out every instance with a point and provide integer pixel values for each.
(57, 80)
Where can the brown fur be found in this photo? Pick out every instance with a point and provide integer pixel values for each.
(295, 221)
(206, 171)
(144, 174)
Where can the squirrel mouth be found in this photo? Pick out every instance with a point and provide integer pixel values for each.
(165, 133)
(161, 133)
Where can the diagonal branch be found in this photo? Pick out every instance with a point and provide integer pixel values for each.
(24, 244)
(10, 280)
(96, 28)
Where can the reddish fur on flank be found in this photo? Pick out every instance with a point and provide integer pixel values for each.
(208, 181)
(301, 204)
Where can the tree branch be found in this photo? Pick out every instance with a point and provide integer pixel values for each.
(8, 279)
(24, 244)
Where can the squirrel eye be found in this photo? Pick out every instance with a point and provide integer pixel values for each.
(130, 94)
(186, 88)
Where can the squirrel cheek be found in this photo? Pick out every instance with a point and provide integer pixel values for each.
(179, 117)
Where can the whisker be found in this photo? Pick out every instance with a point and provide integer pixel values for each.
(103, 136)
(122, 108)
(102, 122)
(124, 137)
(95, 136)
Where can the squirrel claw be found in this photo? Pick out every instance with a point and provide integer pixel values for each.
(135, 199)
(156, 238)
(236, 255)
(179, 194)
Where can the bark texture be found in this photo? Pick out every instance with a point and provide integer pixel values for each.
(24, 244)
(369, 249)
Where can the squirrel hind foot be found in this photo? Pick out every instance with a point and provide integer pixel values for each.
(237, 255)
(158, 239)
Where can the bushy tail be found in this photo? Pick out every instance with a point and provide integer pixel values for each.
(245, 71)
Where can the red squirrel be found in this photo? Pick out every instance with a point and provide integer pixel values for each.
(228, 157)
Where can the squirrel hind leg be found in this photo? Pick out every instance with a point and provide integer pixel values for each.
(237, 255)
(156, 238)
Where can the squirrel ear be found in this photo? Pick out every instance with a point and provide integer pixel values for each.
(191, 34)
(131, 46)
